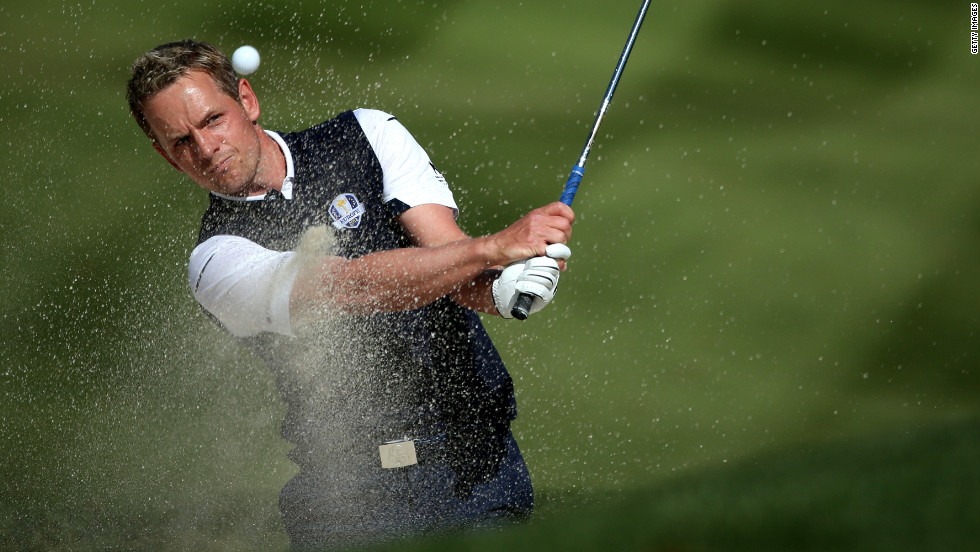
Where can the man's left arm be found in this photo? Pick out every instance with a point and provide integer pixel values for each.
(430, 219)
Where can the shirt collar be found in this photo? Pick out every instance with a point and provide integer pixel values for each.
(287, 183)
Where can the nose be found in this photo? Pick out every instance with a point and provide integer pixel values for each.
(207, 143)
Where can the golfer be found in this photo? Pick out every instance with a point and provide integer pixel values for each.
(398, 404)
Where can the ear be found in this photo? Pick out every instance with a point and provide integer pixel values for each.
(248, 99)
(165, 156)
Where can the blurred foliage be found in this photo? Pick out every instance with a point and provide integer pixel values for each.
(777, 239)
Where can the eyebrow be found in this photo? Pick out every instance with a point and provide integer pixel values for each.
(208, 115)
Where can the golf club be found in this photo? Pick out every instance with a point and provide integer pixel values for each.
(522, 306)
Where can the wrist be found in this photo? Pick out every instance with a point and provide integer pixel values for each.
(489, 252)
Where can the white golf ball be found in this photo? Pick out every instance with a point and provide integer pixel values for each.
(245, 60)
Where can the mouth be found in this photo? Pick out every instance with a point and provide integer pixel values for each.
(219, 167)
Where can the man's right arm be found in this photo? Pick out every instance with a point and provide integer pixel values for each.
(244, 285)
(251, 289)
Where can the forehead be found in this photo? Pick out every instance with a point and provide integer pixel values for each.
(186, 102)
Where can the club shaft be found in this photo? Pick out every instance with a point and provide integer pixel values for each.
(571, 186)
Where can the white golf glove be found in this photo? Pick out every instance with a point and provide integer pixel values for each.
(537, 277)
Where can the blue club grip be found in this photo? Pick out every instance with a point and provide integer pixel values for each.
(571, 185)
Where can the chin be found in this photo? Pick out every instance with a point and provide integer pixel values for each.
(227, 189)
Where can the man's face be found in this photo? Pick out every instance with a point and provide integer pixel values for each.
(207, 134)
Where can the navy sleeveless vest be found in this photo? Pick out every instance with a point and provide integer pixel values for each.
(386, 375)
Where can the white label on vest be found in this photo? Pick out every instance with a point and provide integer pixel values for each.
(398, 454)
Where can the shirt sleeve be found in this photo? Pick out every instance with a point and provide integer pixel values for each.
(409, 175)
(244, 285)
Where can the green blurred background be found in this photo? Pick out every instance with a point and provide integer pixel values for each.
(776, 247)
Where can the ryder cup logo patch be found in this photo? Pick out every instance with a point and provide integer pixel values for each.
(346, 211)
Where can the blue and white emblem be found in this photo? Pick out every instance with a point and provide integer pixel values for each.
(346, 211)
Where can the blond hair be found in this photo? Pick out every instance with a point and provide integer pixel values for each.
(162, 66)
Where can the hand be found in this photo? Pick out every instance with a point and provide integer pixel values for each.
(529, 236)
(536, 277)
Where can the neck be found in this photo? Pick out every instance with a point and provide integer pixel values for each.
(272, 165)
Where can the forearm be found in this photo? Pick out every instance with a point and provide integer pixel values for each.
(476, 294)
(388, 281)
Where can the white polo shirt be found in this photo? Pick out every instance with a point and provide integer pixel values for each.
(247, 287)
